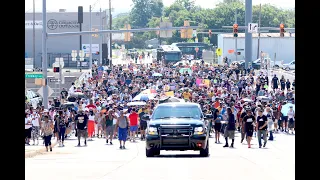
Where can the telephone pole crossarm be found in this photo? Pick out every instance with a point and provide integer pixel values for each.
(118, 31)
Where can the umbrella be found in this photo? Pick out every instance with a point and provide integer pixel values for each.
(143, 97)
(156, 74)
(285, 108)
(183, 70)
(137, 103)
(263, 98)
(246, 100)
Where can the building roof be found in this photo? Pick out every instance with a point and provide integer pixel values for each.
(262, 35)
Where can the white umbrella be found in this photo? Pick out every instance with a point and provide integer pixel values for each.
(137, 103)
(143, 97)
(247, 100)
(263, 98)
(285, 108)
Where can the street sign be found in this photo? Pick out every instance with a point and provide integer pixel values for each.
(54, 80)
(50, 91)
(219, 51)
(32, 76)
(197, 49)
(166, 34)
(230, 51)
(252, 27)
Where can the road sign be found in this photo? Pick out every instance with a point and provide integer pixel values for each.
(230, 51)
(252, 27)
(197, 49)
(54, 80)
(219, 51)
(28, 76)
(74, 59)
(166, 34)
(50, 91)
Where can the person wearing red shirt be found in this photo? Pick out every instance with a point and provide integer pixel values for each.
(91, 105)
(133, 117)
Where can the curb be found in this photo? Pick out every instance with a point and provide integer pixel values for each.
(37, 152)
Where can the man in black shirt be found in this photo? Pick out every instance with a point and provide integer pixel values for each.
(262, 127)
(275, 82)
(243, 130)
(81, 122)
(249, 120)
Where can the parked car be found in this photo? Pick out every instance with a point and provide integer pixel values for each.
(254, 65)
(273, 64)
(289, 66)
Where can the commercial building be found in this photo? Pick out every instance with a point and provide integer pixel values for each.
(271, 44)
(62, 46)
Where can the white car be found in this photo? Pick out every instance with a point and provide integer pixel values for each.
(289, 66)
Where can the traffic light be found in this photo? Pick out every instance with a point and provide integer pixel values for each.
(210, 33)
(235, 30)
(282, 30)
(127, 35)
(56, 69)
(238, 53)
(186, 33)
(97, 53)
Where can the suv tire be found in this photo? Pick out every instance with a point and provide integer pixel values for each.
(205, 152)
(150, 152)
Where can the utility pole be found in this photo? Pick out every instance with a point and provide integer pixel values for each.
(248, 36)
(60, 77)
(159, 32)
(90, 38)
(236, 38)
(259, 33)
(110, 35)
(34, 34)
(100, 40)
(44, 53)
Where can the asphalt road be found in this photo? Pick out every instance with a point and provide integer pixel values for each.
(108, 162)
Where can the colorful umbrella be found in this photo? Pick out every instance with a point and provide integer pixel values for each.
(183, 70)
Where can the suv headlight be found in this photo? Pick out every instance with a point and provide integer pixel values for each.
(199, 130)
(152, 131)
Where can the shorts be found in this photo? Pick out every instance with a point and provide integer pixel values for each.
(217, 127)
(249, 132)
(82, 133)
(284, 118)
(133, 128)
(27, 133)
(229, 134)
(291, 124)
(109, 130)
(35, 132)
(143, 125)
(122, 134)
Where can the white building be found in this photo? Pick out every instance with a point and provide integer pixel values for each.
(271, 45)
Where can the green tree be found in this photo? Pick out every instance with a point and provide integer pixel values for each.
(120, 21)
(143, 10)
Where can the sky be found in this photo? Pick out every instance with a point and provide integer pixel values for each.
(124, 5)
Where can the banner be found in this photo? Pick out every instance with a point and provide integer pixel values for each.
(170, 93)
(203, 82)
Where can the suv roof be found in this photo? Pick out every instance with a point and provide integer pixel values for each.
(179, 104)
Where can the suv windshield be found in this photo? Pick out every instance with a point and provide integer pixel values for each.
(165, 112)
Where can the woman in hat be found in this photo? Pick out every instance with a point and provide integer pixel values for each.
(47, 131)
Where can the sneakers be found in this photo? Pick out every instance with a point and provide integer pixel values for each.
(50, 149)
(264, 144)
(85, 142)
(226, 145)
(111, 143)
(107, 141)
(231, 145)
(120, 147)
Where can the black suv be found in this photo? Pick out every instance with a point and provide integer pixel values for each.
(177, 126)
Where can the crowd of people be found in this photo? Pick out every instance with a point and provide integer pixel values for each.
(103, 105)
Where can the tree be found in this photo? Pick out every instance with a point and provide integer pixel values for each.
(120, 21)
(143, 10)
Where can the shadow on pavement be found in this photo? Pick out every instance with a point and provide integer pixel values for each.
(180, 156)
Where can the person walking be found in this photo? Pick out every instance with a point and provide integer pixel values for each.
(28, 128)
(133, 117)
(288, 84)
(123, 125)
(270, 118)
(230, 128)
(249, 122)
(282, 83)
(81, 120)
(275, 82)
(35, 120)
(217, 118)
(47, 131)
(262, 127)
(61, 121)
(291, 119)
(275, 112)
(143, 123)
(91, 122)
(109, 125)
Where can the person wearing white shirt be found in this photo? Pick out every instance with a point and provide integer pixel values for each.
(28, 128)
(35, 120)
(291, 119)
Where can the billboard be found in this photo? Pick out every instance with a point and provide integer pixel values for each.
(86, 48)
(29, 24)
